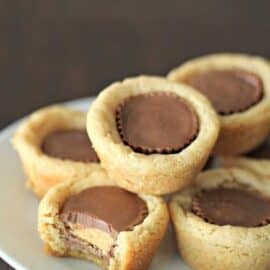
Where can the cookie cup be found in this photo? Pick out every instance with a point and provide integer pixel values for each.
(134, 249)
(206, 246)
(242, 131)
(44, 171)
(150, 173)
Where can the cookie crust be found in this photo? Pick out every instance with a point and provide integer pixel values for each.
(155, 173)
(44, 171)
(242, 131)
(135, 249)
(207, 246)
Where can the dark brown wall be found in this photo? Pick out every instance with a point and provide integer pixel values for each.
(52, 51)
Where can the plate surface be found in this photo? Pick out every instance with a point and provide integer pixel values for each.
(20, 244)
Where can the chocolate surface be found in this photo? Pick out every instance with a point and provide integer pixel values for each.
(261, 152)
(230, 91)
(232, 207)
(156, 123)
(110, 209)
(70, 144)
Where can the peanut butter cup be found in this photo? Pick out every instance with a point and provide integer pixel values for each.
(235, 207)
(230, 91)
(99, 209)
(222, 221)
(54, 147)
(107, 208)
(156, 123)
(95, 220)
(70, 144)
(238, 86)
(152, 135)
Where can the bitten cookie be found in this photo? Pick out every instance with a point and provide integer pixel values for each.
(222, 221)
(54, 146)
(95, 220)
(238, 86)
(152, 135)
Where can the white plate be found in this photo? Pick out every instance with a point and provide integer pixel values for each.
(20, 245)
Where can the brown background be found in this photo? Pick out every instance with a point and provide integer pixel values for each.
(55, 50)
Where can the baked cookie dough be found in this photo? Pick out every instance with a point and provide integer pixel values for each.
(152, 135)
(238, 86)
(54, 146)
(222, 221)
(256, 161)
(95, 220)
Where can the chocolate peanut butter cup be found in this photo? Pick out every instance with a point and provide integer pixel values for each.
(222, 221)
(152, 135)
(238, 87)
(54, 147)
(156, 123)
(107, 208)
(230, 91)
(224, 206)
(95, 220)
(71, 145)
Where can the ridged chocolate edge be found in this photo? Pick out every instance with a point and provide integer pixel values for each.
(198, 211)
(141, 149)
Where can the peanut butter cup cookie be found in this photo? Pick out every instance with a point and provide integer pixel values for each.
(54, 146)
(152, 135)
(238, 86)
(95, 220)
(222, 221)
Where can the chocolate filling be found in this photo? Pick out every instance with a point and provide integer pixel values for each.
(230, 91)
(70, 145)
(156, 123)
(107, 208)
(230, 206)
(261, 152)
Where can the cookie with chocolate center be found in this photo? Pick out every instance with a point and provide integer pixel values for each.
(100, 222)
(54, 146)
(238, 87)
(152, 135)
(99, 214)
(222, 221)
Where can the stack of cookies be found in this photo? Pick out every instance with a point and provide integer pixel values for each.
(102, 175)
